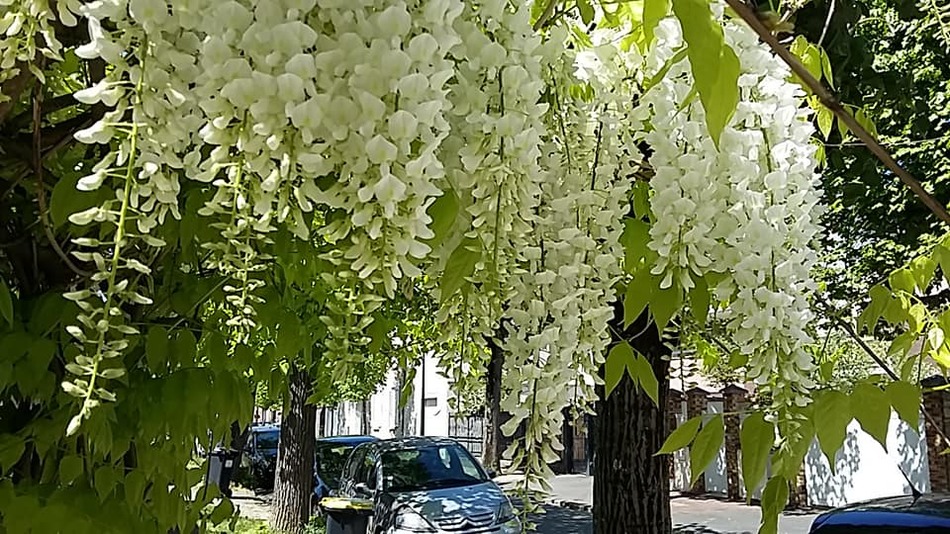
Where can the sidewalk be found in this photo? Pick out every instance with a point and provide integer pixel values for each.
(689, 513)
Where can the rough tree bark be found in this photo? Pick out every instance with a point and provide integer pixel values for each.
(492, 444)
(631, 485)
(294, 483)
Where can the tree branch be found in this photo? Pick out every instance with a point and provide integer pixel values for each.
(831, 102)
(40, 186)
(12, 89)
(545, 15)
(848, 329)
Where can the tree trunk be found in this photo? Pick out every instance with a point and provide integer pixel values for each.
(631, 485)
(492, 444)
(567, 437)
(294, 482)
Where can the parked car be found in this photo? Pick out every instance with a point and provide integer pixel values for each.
(260, 461)
(430, 485)
(331, 456)
(925, 514)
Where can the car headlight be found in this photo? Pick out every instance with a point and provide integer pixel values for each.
(505, 513)
(410, 521)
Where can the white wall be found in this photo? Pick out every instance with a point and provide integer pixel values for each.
(680, 480)
(865, 470)
(384, 406)
(436, 387)
(716, 482)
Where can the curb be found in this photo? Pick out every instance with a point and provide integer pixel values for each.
(573, 505)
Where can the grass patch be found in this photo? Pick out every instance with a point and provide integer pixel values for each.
(258, 526)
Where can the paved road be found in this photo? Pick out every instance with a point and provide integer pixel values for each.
(689, 517)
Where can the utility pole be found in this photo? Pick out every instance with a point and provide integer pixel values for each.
(422, 404)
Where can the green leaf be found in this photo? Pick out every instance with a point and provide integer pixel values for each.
(641, 199)
(714, 64)
(774, 500)
(642, 372)
(587, 11)
(755, 440)
(222, 512)
(826, 69)
(880, 297)
(941, 255)
(664, 303)
(826, 120)
(11, 448)
(70, 467)
(682, 436)
(443, 212)
(620, 357)
(871, 408)
(636, 298)
(104, 481)
(706, 447)
(653, 12)
(905, 398)
(156, 349)
(184, 348)
(832, 415)
(923, 270)
(699, 300)
(6, 303)
(66, 199)
(635, 237)
(902, 280)
(896, 310)
(461, 264)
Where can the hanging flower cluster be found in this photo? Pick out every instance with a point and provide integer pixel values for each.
(492, 165)
(26, 31)
(748, 209)
(562, 295)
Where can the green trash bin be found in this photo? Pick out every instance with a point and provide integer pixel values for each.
(347, 516)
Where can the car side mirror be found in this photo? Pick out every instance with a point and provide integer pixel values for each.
(492, 473)
(362, 490)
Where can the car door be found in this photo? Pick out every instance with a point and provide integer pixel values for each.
(351, 472)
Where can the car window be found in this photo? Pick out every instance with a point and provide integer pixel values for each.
(429, 467)
(267, 440)
(353, 463)
(367, 472)
(331, 460)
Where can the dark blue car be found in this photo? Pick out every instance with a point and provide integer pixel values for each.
(926, 514)
(331, 456)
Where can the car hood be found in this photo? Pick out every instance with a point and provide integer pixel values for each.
(478, 501)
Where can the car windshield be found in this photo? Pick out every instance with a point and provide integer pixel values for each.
(268, 439)
(430, 467)
(330, 460)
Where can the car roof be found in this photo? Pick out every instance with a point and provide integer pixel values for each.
(265, 428)
(926, 511)
(347, 440)
(416, 442)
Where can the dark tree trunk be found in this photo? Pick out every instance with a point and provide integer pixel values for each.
(492, 445)
(567, 437)
(294, 482)
(631, 485)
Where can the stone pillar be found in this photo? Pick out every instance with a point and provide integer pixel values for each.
(798, 491)
(697, 400)
(733, 401)
(935, 404)
(674, 408)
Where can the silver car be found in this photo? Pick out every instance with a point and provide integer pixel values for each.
(426, 485)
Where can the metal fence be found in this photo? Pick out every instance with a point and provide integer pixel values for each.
(469, 431)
